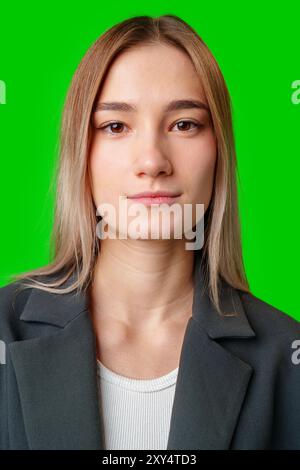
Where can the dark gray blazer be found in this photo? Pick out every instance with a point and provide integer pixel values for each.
(238, 383)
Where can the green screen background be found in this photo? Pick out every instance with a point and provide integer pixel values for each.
(257, 46)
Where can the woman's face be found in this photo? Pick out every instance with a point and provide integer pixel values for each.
(141, 146)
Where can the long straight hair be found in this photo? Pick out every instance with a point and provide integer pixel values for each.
(74, 245)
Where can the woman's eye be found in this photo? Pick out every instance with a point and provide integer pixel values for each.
(187, 124)
(113, 125)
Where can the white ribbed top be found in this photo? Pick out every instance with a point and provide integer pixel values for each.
(135, 413)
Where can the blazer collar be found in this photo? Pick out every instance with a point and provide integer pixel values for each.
(57, 373)
(59, 310)
(54, 309)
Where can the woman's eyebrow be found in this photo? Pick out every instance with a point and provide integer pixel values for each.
(171, 106)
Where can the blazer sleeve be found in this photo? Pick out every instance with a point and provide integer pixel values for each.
(7, 334)
(286, 418)
(3, 410)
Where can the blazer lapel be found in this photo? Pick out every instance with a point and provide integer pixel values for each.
(212, 382)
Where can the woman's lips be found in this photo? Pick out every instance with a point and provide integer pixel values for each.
(148, 201)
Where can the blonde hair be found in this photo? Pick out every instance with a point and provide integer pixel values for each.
(74, 243)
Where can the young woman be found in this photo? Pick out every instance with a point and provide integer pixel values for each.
(135, 342)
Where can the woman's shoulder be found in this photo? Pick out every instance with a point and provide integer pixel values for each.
(13, 297)
(23, 303)
(9, 293)
(277, 333)
(266, 316)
